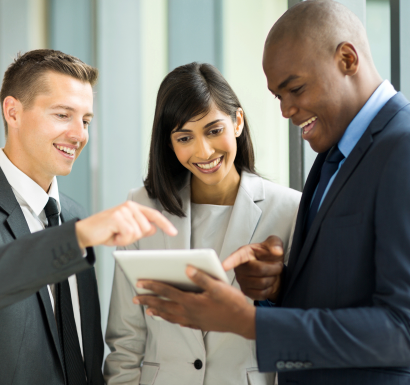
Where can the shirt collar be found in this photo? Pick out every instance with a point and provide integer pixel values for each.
(28, 191)
(365, 116)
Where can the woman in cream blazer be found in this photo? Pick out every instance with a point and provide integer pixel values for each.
(148, 351)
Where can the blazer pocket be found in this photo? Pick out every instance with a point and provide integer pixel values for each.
(149, 372)
(344, 221)
(255, 377)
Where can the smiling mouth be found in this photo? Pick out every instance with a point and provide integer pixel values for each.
(209, 167)
(308, 125)
(68, 151)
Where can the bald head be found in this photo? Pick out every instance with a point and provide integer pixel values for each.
(317, 62)
(322, 25)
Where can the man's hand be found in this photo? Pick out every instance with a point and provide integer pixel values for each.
(258, 268)
(121, 226)
(220, 307)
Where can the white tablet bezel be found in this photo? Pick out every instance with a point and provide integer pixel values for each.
(168, 266)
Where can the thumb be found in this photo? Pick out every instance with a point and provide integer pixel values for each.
(200, 278)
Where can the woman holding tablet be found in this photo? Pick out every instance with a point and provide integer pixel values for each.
(202, 177)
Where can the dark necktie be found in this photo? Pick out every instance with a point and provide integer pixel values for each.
(67, 331)
(329, 167)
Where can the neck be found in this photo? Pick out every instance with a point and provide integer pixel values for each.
(224, 193)
(369, 81)
(30, 170)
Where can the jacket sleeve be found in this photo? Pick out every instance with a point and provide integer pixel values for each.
(35, 260)
(126, 333)
(373, 336)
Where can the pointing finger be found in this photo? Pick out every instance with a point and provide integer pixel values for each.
(158, 219)
(239, 257)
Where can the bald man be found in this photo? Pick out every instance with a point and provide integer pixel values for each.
(340, 312)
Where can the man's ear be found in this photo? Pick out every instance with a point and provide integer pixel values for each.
(12, 109)
(348, 58)
(240, 121)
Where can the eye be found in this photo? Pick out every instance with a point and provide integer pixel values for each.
(296, 90)
(184, 139)
(277, 97)
(62, 116)
(215, 131)
(86, 123)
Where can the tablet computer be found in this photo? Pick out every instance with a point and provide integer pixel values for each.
(168, 266)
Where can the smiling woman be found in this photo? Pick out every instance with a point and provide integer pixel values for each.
(202, 177)
(202, 129)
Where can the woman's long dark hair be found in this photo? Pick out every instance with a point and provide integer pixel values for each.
(186, 92)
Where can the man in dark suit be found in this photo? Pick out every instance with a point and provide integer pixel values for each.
(340, 311)
(50, 329)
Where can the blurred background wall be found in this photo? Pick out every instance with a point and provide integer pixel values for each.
(135, 43)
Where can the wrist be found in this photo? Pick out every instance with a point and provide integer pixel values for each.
(248, 323)
(82, 243)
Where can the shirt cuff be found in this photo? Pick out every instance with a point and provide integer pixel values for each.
(265, 303)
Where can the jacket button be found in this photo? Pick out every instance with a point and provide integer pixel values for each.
(280, 365)
(198, 364)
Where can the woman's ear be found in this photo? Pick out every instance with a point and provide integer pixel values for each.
(239, 122)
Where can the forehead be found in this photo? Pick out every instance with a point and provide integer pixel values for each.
(285, 59)
(202, 120)
(65, 89)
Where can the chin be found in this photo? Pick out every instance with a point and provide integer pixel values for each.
(210, 179)
(63, 172)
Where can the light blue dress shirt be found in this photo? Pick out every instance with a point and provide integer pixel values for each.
(359, 125)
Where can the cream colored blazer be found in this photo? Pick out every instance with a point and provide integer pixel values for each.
(146, 351)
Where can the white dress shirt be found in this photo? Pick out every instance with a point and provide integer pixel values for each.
(208, 226)
(32, 200)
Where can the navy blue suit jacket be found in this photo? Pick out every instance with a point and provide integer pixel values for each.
(344, 315)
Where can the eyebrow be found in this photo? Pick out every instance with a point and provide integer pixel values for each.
(68, 108)
(287, 81)
(206, 126)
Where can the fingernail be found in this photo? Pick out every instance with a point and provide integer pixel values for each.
(140, 285)
(136, 300)
(149, 312)
(277, 248)
(173, 231)
(191, 271)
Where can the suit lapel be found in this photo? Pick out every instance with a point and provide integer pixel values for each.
(308, 192)
(300, 255)
(19, 227)
(240, 230)
(87, 299)
(183, 239)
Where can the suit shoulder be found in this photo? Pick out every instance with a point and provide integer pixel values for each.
(276, 192)
(74, 207)
(140, 195)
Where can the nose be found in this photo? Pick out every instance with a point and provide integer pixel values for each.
(203, 149)
(77, 132)
(288, 108)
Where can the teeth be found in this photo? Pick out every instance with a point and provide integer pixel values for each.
(208, 166)
(70, 151)
(308, 122)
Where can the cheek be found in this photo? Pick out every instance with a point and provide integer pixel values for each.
(228, 144)
(183, 153)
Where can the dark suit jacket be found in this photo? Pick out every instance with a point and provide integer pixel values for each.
(29, 347)
(345, 308)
